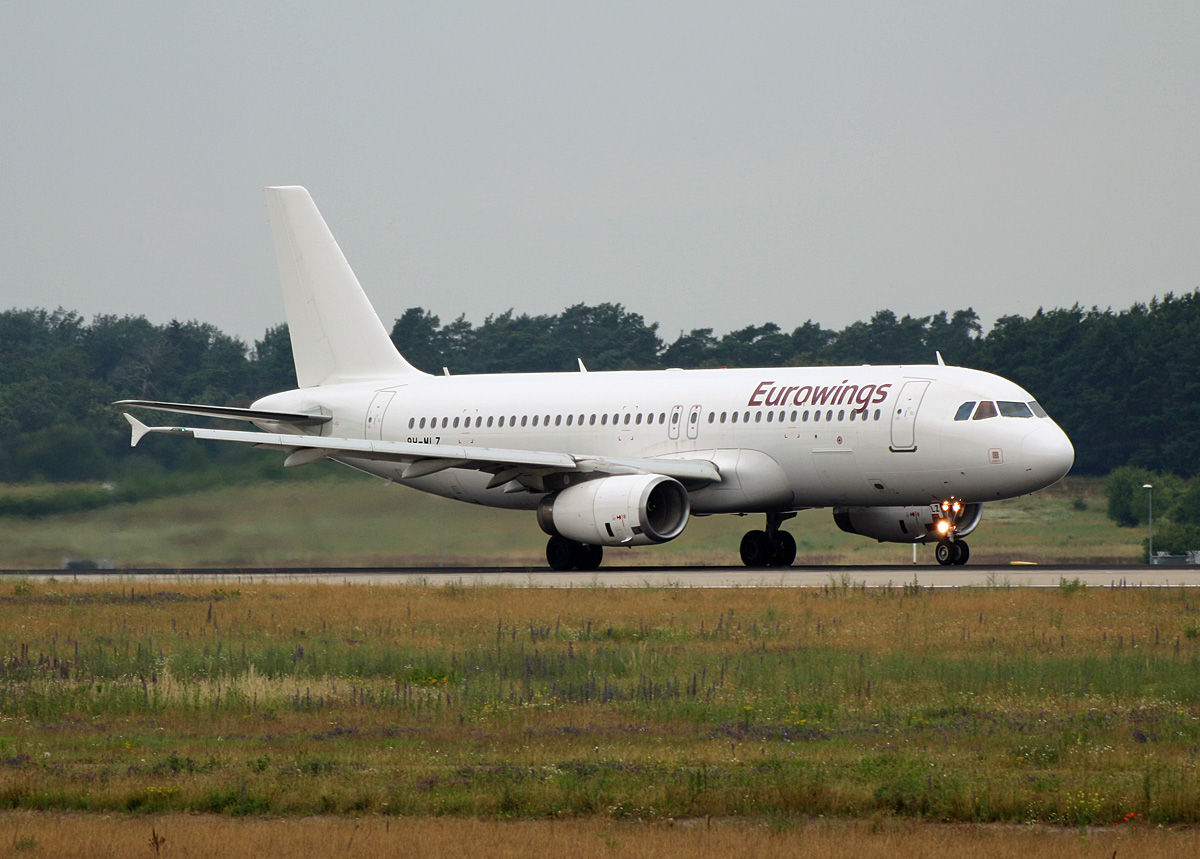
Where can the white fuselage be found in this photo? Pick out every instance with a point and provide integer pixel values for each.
(783, 438)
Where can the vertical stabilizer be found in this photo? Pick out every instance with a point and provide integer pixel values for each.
(336, 334)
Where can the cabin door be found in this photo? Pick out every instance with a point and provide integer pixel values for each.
(904, 416)
(375, 412)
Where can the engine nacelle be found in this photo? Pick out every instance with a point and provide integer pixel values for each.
(623, 510)
(903, 524)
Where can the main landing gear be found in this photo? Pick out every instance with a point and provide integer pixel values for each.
(951, 551)
(564, 555)
(772, 547)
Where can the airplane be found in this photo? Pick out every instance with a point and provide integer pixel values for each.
(903, 454)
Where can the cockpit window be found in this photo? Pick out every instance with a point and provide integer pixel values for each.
(986, 410)
(1037, 409)
(1014, 410)
(964, 411)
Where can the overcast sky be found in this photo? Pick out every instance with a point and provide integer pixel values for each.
(704, 164)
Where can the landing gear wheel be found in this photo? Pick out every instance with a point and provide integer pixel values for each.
(757, 549)
(961, 552)
(944, 553)
(785, 549)
(589, 557)
(563, 554)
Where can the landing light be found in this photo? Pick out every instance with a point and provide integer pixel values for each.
(943, 526)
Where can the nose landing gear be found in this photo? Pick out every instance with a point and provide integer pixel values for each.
(772, 547)
(951, 550)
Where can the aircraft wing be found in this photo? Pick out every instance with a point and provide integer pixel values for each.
(516, 470)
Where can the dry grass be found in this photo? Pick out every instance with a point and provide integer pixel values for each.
(25, 834)
(1075, 705)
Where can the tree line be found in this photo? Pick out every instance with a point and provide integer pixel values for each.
(1123, 384)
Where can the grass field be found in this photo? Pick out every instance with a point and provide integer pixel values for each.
(346, 520)
(86, 836)
(1073, 706)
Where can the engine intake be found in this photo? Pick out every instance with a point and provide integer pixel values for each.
(623, 510)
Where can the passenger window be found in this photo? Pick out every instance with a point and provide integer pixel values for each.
(604, 419)
(1014, 410)
(445, 421)
(746, 417)
(592, 420)
(841, 414)
(456, 423)
(793, 417)
(817, 415)
(724, 416)
(558, 420)
(964, 411)
(986, 410)
(627, 417)
(524, 420)
(411, 422)
(489, 421)
(758, 417)
(829, 415)
(639, 419)
(804, 417)
(770, 417)
(675, 418)
(853, 415)
(570, 419)
(422, 423)
(712, 416)
(734, 419)
(877, 414)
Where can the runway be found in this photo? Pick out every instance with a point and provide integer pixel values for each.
(666, 577)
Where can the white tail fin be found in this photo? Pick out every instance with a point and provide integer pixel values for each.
(336, 335)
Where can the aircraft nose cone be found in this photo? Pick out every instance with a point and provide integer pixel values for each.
(1047, 453)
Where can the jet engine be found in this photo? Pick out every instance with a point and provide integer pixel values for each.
(904, 524)
(623, 510)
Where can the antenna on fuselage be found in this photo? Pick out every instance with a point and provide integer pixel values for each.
(941, 363)
(582, 369)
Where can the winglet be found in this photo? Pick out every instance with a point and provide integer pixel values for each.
(139, 429)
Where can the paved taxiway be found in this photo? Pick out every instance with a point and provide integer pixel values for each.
(692, 577)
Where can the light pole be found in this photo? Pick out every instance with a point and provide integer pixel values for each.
(1149, 522)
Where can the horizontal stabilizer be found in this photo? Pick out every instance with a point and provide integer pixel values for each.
(228, 412)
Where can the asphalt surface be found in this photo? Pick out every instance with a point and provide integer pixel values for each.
(694, 577)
